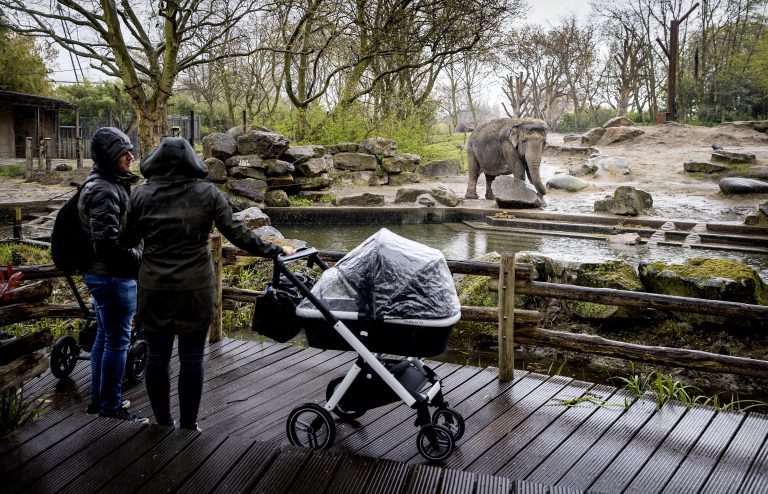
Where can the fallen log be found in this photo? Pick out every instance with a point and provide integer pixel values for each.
(11, 314)
(22, 369)
(32, 292)
(40, 272)
(23, 345)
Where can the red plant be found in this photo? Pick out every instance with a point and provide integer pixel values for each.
(9, 282)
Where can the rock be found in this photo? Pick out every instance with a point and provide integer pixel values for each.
(572, 139)
(441, 168)
(269, 233)
(238, 130)
(253, 218)
(353, 178)
(619, 134)
(379, 146)
(550, 149)
(736, 185)
(247, 172)
(300, 154)
(585, 169)
(756, 218)
(702, 167)
(62, 167)
(511, 192)
(276, 168)
(731, 157)
(446, 197)
(276, 199)
(240, 203)
(355, 161)
(404, 178)
(347, 147)
(426, 200)
(322, 181)
(713, 279)
(409, 194)
(218, 145)
(592, 136)
(250, 188)
(249, 160)
(609, 274)
(626, 201)
(567, 182)
(314, 166)
(217, 170)
(622, 121)
(264, 144)
(365, 199)
(379, 178)
(763, 208)
(282, 182)
(315, 196)
(611, 164)
(403, 162)
(631, 238)
(475, 291)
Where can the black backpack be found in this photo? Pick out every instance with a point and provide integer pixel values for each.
(70, 245)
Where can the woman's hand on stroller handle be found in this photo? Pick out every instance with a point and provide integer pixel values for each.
(295, 254)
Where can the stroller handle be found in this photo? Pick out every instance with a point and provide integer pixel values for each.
(301, 253)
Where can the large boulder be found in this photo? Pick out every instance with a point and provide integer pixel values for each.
(276, 199)
(441, 168)
(567, 182)
(248, 160)
(404, 178)
(380, 146)
(736, 185)
(355, 161)
(276, 168)
(264, 144)
(442, 195)
(475, 291)
(247, 172)
(403, 162)
(618, 275)
(219, 145)
(353, 178)
(240, 203)
(319, 182)
(592, 136)
(626, 201)
(364, 199)
(694, 166)
(250, 188)
(622, 121)
(613, 165)
(731, 157)
(314, 166)
(619, 134)
(713, 279)
(300, 154)
(511, 192)
(446, 197)
(253, 218)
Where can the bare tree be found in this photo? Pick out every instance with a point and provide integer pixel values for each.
(144, 44)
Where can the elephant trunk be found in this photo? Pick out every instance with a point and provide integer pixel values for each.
(534, 165)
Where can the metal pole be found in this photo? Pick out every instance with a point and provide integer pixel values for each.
(192, 128)
(79, 151)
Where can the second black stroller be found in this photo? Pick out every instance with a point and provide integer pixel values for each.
(389, 295)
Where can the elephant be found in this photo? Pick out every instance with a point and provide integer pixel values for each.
(506, 146)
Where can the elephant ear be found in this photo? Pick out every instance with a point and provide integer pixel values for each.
(514, 137)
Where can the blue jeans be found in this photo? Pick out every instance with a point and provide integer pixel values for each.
(115, 305)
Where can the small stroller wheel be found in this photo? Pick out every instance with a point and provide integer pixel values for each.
(136, 363)
(338, 410)
(435, 442)
(64, 356)
(311, 426)
(451, 420)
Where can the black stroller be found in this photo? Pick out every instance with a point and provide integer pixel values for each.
(389, 295)
(66, 350)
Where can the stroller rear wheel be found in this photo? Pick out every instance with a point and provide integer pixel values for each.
(451, 420)
(434, 442)
(311, 426)
(338, 409)
(136, 363)
(64, 356)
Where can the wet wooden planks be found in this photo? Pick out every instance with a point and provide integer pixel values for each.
(535, 434)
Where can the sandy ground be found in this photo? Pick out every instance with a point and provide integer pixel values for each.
(655, 160)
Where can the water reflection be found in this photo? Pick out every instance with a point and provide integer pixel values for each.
(459, 241)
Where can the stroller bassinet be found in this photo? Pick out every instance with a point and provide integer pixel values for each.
(388, 295)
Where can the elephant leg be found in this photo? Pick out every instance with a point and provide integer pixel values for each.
(488, 181)
(473, 173)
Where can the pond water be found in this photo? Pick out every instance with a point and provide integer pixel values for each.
(458, 241)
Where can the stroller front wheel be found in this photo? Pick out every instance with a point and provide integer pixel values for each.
(451, 420)
(64, 356)
(136, 363)
(311, 426)
(435, 442)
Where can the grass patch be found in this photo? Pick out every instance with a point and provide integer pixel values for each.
(15, 171)
(15, 411)
(446, 147)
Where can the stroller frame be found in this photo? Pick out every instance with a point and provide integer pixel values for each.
(311, 425)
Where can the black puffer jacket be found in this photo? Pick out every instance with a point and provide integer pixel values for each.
(103, 202)
(173, 213)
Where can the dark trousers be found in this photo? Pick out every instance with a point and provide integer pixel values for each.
(158, 379)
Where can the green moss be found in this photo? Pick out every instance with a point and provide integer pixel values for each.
(610, 274)
(21, 254)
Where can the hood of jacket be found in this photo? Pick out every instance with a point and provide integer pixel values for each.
(174, 157)
(108, 144)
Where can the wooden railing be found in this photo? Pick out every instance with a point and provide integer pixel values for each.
(519, 325)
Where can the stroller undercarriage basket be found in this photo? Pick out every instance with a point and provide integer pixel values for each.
(379, 315)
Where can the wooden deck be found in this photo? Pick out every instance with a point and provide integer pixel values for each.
(519, 438)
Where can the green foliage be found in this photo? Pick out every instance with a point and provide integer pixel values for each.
(587, 399)
(15, 411)
(95, 99)
(22, 64)
(23, 254)
(16, 171)
(584, 120)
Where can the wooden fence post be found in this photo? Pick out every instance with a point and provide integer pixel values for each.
(79, 151)
(17, 223)
(215, 333)
(28, 157)
(40, 155)
(47, 147)
(506, 317)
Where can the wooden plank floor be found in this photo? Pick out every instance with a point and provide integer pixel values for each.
(519, 437)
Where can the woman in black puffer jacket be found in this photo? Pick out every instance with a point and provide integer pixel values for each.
(111, 273)
(173, 215)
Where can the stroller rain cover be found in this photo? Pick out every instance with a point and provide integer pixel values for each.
(389, 277)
